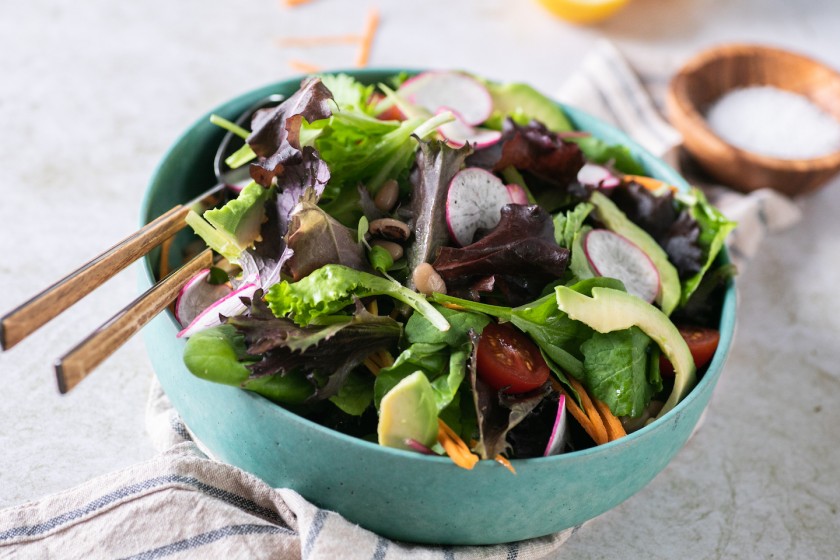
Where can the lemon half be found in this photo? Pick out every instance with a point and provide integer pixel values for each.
(583, 11)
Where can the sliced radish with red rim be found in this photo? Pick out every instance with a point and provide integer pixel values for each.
(597, 176)
(614, 256)
(228, 306)
(457, 133)
(557, 439)
(517, 194)
(197, 295)
(474, 201)
(436, 90)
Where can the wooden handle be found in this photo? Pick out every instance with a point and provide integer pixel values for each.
(104, 341)
(35, 313)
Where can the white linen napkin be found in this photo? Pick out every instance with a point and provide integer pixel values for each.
(182, 504)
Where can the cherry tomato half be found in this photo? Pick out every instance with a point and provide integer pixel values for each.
(508, 360)
(702, 342)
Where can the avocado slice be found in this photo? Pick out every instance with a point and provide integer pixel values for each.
(522, 100)
(408, 411)
(611, 310)
(670, 289)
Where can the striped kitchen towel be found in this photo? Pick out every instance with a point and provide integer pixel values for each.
(182, 504)
(632, 98)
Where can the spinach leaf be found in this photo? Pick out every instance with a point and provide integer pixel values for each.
(616, 370)
(355, 394)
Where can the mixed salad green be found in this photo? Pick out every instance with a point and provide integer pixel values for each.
(442, 264)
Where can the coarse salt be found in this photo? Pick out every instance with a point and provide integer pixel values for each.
(774, 122)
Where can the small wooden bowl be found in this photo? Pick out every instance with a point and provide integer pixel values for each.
(714, 72)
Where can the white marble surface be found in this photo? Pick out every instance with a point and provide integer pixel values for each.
(92, 93)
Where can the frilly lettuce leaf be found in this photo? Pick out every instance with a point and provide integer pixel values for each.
(229, 230)
(349, 94)
(333, 287)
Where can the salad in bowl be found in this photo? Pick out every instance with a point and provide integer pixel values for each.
(438, 272)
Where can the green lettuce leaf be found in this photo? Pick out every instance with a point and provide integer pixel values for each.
(598, 151)
(349, 94)
(219, 354)
(231, 229)
(356, 393)
(333, 287)
(616, 370)
(568, 224)
(714, 228)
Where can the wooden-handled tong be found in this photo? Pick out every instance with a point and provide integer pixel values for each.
(48, 304)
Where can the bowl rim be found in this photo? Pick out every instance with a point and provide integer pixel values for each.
(655, 166)
(678, 101)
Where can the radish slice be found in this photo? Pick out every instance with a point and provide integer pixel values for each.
(474, 201)
(196, 296)
(436, 90)
(457, 133)
(615, 256)
(557, 439)
(517, 194)
(229, 306)
(597, 176)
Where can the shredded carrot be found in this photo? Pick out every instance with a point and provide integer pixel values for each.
(454, 306)
(615, 429)
(588, 417)
(367, 38)
(318, 41)
(293, 3)
(649, 183)
(455, 447)
(501, 459)
(304, 67)
(581, 417)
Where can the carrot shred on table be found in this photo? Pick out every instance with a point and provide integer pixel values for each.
(502, 460)
(293, 3)
(304, 67)
(455, 447)
(319, 40)
(367, 38)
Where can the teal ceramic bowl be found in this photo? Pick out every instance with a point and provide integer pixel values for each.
(398, 494)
